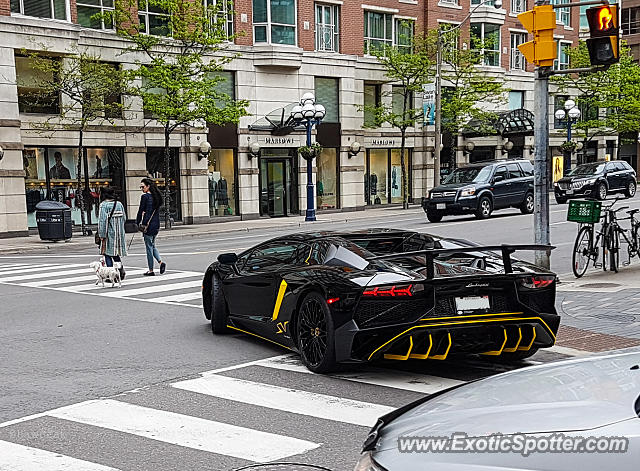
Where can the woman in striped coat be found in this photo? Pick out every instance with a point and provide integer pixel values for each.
(111, 229)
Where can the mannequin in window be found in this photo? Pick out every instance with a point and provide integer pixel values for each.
(58, 170)
(222, 192)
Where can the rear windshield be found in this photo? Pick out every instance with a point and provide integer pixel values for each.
(469, 175)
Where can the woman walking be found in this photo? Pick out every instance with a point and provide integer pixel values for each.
(149, 218)
(111, 229)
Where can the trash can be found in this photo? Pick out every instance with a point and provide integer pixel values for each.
(54, 220)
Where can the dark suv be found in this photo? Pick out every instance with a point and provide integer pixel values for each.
(596, 180)
(480, 188)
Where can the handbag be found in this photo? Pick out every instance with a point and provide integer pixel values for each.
(130, 226)
(143, 227)
(99, 239)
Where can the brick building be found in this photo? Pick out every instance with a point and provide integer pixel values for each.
(287, 48)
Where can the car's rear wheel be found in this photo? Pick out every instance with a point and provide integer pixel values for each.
(434, 216)
(630, 190)
(315, 335)
(513, 357)
(528, 204)
(219, 311)
(485, 208)
(602, 191)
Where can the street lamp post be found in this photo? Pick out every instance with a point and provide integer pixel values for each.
(572, 115)
(438, 111)
(308, 113)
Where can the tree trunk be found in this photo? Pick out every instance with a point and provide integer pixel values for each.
(79, 190)
(403, 171)
(167, 180)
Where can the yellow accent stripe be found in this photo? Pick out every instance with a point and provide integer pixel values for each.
(419, 356)
(259, 336)
(388, 356)
(513, 349)
(444, 355)
(526, 349)
(276, 308)
(498, 352)
(502, 319)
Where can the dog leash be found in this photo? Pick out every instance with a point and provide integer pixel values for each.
(131, 242)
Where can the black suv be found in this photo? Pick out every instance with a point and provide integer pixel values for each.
(480, 188)
(596, 180)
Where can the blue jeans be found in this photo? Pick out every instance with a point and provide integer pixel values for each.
(152, 252)
(108, 259)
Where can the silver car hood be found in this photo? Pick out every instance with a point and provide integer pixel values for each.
(573, 395)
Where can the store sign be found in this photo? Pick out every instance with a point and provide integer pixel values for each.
(387, 142)
(277, 141)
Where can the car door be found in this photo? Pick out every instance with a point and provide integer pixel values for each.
(519, 184)
(251, 291)
(612, 176)
(621, 175)
(501, 187)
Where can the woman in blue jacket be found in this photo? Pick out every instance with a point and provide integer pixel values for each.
(149, 215)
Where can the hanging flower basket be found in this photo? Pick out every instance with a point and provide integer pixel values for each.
(310, 152)
(568, 146)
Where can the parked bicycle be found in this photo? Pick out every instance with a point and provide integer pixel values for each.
(631, 237)
(592, 245)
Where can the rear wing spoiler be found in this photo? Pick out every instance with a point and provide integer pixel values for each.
(431, 254)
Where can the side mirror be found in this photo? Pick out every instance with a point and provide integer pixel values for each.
(498, 178)
(227, 258)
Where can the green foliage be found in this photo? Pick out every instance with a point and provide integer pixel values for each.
(609, 99)
(310, 152)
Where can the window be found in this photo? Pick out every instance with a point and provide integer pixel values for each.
(397, 100)
(87, 9)
(327, 93)
(518, 62)
(327, 26)
(563, 15)
(558, 103)
(449, 41)
(223, 8)
(527, 168)
(486, 37)
(378, 31)
(275, 253)
(516, 100)
(274, 21)
(631, 20)
(518, 6)
(53, 9)
(449, 2)
(153, 20)
(404, 35)
(372, 94)
(562, 62)
(514, 171)
(478, 2)
(30, 97)
(501, 172)
(148, 114)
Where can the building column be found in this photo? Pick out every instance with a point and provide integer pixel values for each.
(352, 171)
(248, 184)
(194, 185)
(13, 205)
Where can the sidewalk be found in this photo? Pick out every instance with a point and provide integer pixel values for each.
(32, 243)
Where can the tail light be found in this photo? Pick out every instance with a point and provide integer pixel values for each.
(391, 291)
(537, 281)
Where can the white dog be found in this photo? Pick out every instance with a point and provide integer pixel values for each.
(110, 274)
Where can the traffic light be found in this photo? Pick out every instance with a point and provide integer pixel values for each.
(541, 21)
(603, 44)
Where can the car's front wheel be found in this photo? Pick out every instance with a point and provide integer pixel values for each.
(630, 190)
(527, 205)
(219, 311)
(602, 191)
(561, 199)
(434, 216)
(485, 208)
(315, 335)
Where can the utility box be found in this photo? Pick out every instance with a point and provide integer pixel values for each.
(54, 220)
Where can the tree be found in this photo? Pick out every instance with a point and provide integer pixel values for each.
(178, 78)
(408, 66)
(89, 93)
(470, 90)
(609, 99)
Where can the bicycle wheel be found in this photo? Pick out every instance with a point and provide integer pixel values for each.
(582, 251)
(614, 249)
(605, 247)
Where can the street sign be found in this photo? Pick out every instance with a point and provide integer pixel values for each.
(541, 22)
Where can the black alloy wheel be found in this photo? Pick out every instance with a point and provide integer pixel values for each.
(314, 333)
(602, 191)
(485, 208)
(630, 190)
(528, 205)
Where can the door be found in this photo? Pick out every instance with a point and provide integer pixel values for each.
(612, 174)
(501, 187)
(519, 184)
(275, 183)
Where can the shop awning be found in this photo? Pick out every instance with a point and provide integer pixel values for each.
(507, 123)
(278, 122)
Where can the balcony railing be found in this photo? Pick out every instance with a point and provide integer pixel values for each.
(326, 38)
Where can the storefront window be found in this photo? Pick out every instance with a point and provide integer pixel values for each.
(327, 179)
(396, 175)
(222, 183)
(376, 177)
(156, 170)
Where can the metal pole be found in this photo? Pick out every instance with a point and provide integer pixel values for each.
(438, 111)
(568, 166)
(311, 210)
(541, 140)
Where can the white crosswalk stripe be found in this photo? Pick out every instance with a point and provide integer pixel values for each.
(173, 288)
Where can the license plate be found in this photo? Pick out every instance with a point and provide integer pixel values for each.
(569, 192)
(472, 303)
(441, 206)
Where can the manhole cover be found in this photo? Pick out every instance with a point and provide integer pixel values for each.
(283, 467)
(600, 285)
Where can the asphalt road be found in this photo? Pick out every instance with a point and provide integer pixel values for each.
(130, 364)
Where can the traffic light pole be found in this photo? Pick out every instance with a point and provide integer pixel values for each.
(540, 164)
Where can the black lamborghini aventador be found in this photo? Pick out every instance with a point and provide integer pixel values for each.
(399, 295)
